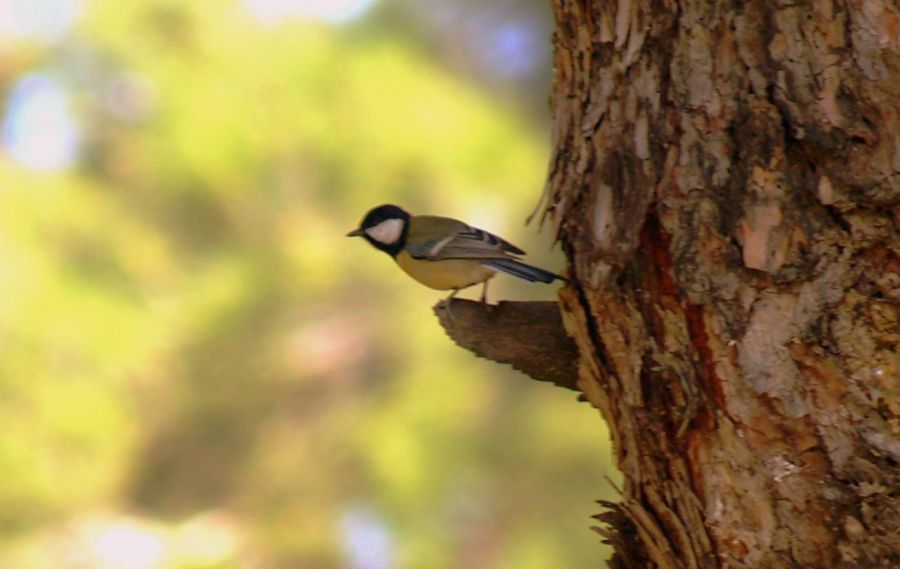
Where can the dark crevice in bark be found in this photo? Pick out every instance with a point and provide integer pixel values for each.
(593, 333)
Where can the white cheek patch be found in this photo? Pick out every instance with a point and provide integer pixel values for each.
(386, 232)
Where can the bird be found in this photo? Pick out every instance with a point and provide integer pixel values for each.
(443, 253)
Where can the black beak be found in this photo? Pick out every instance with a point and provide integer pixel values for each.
(355, 233)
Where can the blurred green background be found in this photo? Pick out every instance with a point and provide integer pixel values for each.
(197, 369)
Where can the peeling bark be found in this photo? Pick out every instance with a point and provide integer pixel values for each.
(725, 182)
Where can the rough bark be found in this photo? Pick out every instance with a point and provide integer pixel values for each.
(725, 185)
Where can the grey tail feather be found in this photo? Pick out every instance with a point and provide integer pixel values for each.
(522, 270)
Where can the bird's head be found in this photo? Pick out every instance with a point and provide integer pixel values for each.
(385, 227)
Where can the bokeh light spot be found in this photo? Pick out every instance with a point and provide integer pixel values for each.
(513, 49)
(367, 539)
(128, 546)
(39, 131)
(40, 19)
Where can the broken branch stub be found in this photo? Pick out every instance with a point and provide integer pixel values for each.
(527, 335)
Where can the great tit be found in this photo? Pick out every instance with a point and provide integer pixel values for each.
(443, 253)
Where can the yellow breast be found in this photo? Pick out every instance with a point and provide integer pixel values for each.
(444, 275)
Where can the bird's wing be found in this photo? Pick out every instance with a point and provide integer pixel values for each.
(447, 238)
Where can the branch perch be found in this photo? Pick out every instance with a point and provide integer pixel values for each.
(527, 335)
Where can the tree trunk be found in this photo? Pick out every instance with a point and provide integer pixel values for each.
(725, 185)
